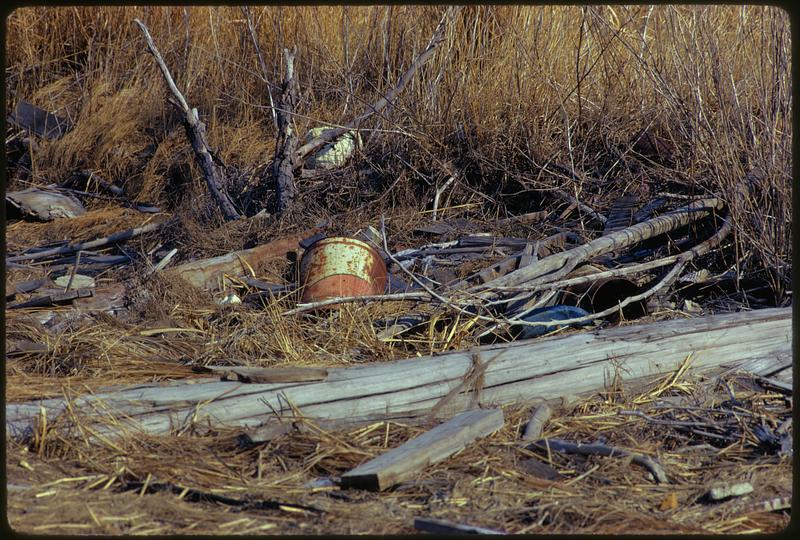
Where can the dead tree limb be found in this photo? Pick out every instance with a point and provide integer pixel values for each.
(284, 163)
(196, 131)
(72, 248)
(331, 134)
(559, 265)
(566, 447)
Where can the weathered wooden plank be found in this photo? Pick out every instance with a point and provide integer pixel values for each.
(431, 447)
(530, 371)
(208, 273)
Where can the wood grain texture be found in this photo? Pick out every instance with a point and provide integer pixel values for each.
(208, 273)
(532, 371)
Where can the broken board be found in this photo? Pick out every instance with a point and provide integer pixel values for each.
(431, 447)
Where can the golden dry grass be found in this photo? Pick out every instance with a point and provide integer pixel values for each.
(512, 88)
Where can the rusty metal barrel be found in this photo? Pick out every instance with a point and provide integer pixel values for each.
(341, 266)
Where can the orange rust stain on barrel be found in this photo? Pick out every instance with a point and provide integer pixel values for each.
(341, 266)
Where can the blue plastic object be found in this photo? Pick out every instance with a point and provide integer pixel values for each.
(554, 314)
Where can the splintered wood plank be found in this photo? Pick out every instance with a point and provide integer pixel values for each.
(431, 447)
(533, 370)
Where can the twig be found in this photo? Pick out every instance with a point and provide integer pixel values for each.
(311, 306)
(196, 131)
(261, 63)
(660, 422)
(74, 270)
(559, 265)
(566, 447)
(72, 248)
(439, 192)
(164, 261)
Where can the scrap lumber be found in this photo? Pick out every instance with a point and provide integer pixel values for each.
(560, 264)
(196, 132)
(24, 287)
(52, 298)
(532, 371)
(210, 273)
(431, 447)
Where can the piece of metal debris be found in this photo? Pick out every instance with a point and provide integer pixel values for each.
(31, 118)
(46, 205)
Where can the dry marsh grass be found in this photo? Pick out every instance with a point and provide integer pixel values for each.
(512, 90)
(513, 87)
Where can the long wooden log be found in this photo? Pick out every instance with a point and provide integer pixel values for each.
(525, 371)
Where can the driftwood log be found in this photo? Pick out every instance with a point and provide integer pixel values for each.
(196, 131)
(531, 371)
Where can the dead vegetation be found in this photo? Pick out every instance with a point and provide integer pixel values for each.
(554, 113)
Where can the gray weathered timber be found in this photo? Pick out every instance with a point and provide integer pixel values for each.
(531, 371)
(431, 447)
(558, 265)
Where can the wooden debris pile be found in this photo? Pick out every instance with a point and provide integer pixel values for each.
(558, 371)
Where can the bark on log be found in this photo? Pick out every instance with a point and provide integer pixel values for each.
(527, 371)
(284, 163)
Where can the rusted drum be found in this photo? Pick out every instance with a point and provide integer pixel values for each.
(341, 266)
(606, 293)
